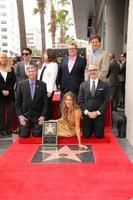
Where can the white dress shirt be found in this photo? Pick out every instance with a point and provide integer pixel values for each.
(96, 83)
(4, 74)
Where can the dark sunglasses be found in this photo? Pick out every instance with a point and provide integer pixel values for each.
(26, 54)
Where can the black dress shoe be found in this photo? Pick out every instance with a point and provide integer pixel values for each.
(4, 133)
(9, 132)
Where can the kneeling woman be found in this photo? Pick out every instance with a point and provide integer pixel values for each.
(69, 123)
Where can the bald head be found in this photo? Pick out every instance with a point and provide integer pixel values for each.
(93, 71)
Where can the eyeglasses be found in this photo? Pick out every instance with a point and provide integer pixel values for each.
(71, 48)
(92, 70)
(25, 54)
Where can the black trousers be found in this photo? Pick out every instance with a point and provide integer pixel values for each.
(6, 115)
(49, 113)
(31, 126)
(93, 126)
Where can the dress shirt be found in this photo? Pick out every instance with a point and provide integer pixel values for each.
(91, 83)
(71, 63)
(32, 88)
(94, 54)
(4, 74)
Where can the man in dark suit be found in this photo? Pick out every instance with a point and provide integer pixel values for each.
(93, 98)
(22, 65)
(71, 71)
(113, 80)
(31, 104)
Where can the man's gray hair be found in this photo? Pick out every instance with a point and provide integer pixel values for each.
(31, 67)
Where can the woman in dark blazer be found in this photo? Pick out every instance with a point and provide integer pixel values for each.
(7, 96)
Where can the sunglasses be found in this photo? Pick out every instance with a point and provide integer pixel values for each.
(26, 54)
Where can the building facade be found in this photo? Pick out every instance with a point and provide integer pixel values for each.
(9, 34)
(112, 20)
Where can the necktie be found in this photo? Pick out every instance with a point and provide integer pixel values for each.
(32, 89)
(93, 89)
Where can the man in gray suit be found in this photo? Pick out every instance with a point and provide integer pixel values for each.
(22, 65)
(93, 99)
(113, 80)
(99, 57)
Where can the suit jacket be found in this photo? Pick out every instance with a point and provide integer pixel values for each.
(113, 73)
(102, 61)
(24, 103)
(7, 85)
(71, 81)
(100, 100)
(20, 70)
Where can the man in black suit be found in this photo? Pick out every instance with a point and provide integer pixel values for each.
(31, 104)
(93, 98)
(71, 71)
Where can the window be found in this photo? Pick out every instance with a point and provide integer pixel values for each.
(3, 29)
(4, 44)
(4, 37)
(3, 14)
(5, 51)
(2, 6)
(3, 22)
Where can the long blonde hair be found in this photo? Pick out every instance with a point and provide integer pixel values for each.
(68, 114)
(7, 66)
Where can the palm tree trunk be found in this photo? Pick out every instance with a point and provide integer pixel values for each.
(21, 21)
(42, 22)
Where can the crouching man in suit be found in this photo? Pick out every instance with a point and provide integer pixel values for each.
(31, 104)
(93, 98)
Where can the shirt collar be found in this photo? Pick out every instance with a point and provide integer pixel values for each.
(32, 81)
(96, 80)
(96, 50)
(73, 58)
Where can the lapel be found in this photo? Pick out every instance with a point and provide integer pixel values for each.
(88, 89)
(36, 90)
(98, 86)
(1, 77)
(27, 88)
(8, 75)
(22, 68)
(66, 64)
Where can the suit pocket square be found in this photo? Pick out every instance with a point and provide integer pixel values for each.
(100, 89)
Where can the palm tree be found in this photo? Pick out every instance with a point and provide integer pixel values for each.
(64, 24)
(63, 20)
(41, 9)
(21, 21)
(63, 2)
(53, 22)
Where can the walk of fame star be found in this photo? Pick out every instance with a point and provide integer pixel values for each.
(49, 129)
(64, 154)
